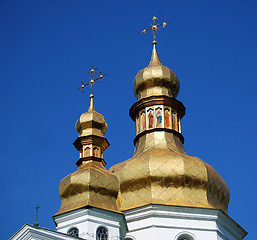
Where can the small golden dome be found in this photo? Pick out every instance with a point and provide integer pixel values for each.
(91, 123)
(91, 185)
(167, 175)
(155, 79)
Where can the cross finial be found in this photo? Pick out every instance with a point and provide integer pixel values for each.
(154, 28)
(91, 83)
(36, 223)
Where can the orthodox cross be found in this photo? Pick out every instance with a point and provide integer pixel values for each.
(92, 81)
(36, 223)
(154, 28)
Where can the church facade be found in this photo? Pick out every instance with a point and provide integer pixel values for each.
(159, 193)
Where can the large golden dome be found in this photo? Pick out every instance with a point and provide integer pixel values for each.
(160, 172)
(155, 79)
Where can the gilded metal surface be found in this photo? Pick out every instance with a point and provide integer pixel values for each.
(156, 79)
(102, 142)
(160, 172)
(154, 28)
(91, 123)
(90, 185)
(92, 81)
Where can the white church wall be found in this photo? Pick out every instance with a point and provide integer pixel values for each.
(176, 223)
(87, 221)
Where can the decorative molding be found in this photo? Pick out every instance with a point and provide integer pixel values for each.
(28, 232)
(177, 134)
(157, 100)
(88, 212)
(210, 220)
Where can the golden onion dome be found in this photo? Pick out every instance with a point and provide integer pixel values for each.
(160, 172)
(155, 79)
(90, 185)
(91, 123)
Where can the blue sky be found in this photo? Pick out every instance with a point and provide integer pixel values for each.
(47, 48)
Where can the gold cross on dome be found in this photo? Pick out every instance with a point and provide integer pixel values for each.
(92, 81)
(154, 28)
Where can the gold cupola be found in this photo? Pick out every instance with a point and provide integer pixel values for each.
(91, 122)
(155, 79)
(91, 185)
(160, 171)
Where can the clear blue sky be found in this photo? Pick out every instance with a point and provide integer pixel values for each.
(47, 48)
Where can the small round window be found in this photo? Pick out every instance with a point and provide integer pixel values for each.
(73, 232)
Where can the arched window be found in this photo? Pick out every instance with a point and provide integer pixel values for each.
(185, 236)
(96, 152)
(137, 124)
(167, 118)
(174, 120)
(179, 126)
(150, 118)
(143, 122)
(101, 233)
(158, 117)
(87, 152)
(73, 232)
(128, 238)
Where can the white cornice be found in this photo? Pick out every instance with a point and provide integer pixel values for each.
(29, 232)
(218, 220)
